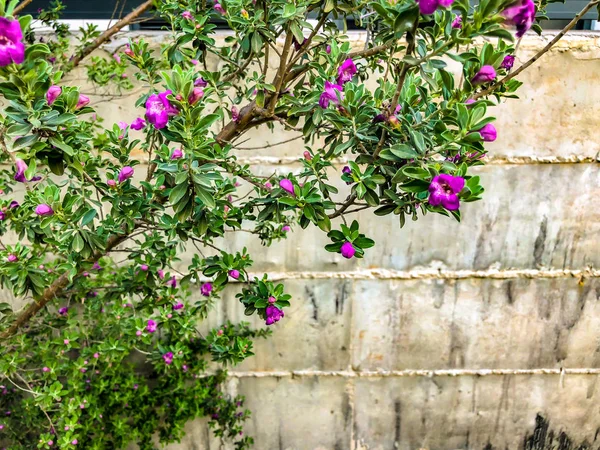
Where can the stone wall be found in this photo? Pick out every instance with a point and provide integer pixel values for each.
(445, 336)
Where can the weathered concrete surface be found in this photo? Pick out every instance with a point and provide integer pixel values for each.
(533, 216)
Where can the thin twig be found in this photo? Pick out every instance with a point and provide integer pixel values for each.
(539, 54)
(271, 145)
(21, 7)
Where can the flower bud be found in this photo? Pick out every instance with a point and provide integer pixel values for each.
(347, 250)
(53, 93)
(44, 210)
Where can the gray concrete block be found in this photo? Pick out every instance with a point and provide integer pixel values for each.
(476, 324)
(471, 413)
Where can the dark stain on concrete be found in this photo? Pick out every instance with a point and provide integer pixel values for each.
(540, 243)
(313, 300)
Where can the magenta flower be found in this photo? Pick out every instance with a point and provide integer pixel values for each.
(457, 22)
(235, 274)
(470, 101)
(328, 49)
(83, 101)
(347, 250)
(488, 133)
(2, 215)
(485, 75)
(160, 273)
(44, 210)
(144, 267)
(20, 172)
(177, 154)
(14, 204)
(346, 71)
(111, 183)
(168, 358)
(521, 14)
(12, 258)
(330, 94)
(287, 186)
(307, 156)
(274, 314)
(444, 190)
(97, 266)
(218, 8)
(196, 95)
(151, 326)
(117, 58)
(508, 62)
(12, 49)
(125, 173)
(128, 51)
(172, 282)
(285, 228)
(187, 15)
(235, 114)
(53, 93)
(177, 306)
(206, 289)
(138, 124)
(123, 125)
(159, 109)
(200, 82)
(429, 6)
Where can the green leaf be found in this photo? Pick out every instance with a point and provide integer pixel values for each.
(205, 196)
(57, 142)
(403, 151)
(88, 217)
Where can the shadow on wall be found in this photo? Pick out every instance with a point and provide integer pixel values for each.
(544, 438)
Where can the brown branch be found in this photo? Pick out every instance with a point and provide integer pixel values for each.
(372, 51)
(304, 47)
(21, 6)
(56, 289)
(133, 15)
(280, 77)
(539, 54)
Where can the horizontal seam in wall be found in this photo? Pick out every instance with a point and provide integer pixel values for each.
(490, 160)
(413, 373)
(432, 274)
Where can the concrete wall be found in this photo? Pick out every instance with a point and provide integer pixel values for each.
(446, 335)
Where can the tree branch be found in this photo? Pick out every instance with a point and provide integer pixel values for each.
(129, 18)
(539, 54)
(21, 6)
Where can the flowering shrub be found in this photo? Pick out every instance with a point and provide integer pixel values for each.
(103, 349)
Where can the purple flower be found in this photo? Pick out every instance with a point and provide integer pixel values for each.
(235, 274)
(177, 154)
(457, 22)
(287, 185)
(187, 15)
(123, 125)
(159, 109)
(307, 156)
(12, 258)
(206, 289)
(235, 114)
(330, 94)
(488, 133)
(172, 282)
(168, 358)
(21, 168)
(2, 215)
(485, 75)
(346, 71)
(328, 49)
(63, 311)
(521, 14)
(14, 204)
(347, 250)
(151, 326)
(429, 6)
(470, 101)
(117, 58)
(218, 8)
(196, 95)
(508, 62)
(12, 49)
(53, 93)
(274, 314)
(44, 210)
(160, 273)
(444, 190)
(144, 267)
(285, 228)
(177, 306)
(83, 101)
(125, 173)
(74, 442)
(200, 82)
(346, 170)
(297, 44)
(97, 266)
(138, 124)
